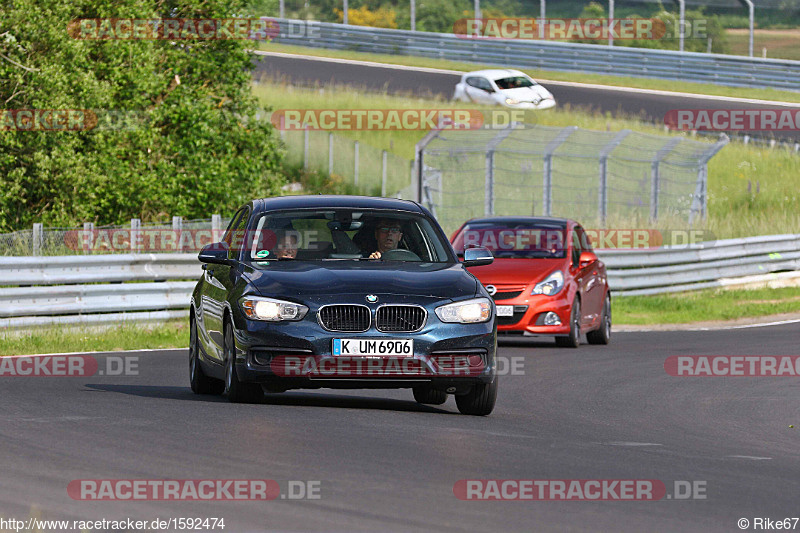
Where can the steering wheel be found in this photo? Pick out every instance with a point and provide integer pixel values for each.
(400, 254)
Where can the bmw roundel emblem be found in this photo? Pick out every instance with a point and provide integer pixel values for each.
(371, 298)
(491, 289)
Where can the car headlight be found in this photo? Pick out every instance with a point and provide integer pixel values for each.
(551, 285)
(258, 308)
(511, 101)
(466, 312)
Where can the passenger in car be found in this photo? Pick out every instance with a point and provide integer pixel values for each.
(287, 246)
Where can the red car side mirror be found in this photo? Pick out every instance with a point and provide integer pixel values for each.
(587, 258)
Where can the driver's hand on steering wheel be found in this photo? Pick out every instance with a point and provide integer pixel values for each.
(375, 255)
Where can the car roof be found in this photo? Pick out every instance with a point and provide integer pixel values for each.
(321, 201)
(535, 220)
(495, 73)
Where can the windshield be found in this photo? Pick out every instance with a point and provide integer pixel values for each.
(346, 235)
(514, 82)
(515, 239)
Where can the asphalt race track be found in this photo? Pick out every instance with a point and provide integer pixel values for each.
(386, 463)
(426, 83)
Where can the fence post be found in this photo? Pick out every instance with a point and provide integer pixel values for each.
(491, 146)
(305, 148)
(655, 175)
(700, 200)
(216, 228)
(87, 240)
(38, 238)
(177, 230)
(547, 168)
(355, 164)
(603, 188)
(383, 172)
(411, 177)
(330, 153)
(136, 224)
(419, 163)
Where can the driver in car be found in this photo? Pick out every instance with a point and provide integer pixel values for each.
(388, 234)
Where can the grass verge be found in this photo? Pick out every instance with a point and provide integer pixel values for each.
(706, 305)
(780, 44)
(58, 339)
(578, 77)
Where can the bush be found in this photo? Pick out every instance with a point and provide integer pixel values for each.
(380, 18)
(196, 147)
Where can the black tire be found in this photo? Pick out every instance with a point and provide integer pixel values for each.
(237, 391)
(602, 335)
(430, 396)
(200, 383)
(480, 400)
(574, 338)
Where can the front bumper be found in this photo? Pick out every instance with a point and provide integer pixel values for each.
(529, 312)
(546, 103)
(292, 355)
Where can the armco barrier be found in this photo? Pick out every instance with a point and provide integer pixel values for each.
(720, 69)
(97, 289)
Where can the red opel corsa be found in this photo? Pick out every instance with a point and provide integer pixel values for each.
(545, 278)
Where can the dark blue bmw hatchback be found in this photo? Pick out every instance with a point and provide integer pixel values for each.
(342, 292)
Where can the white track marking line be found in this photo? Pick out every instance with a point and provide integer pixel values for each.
(635, 444)
(544, 81)
(143, 350)
(716, 328)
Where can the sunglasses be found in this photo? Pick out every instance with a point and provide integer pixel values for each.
(389, 230)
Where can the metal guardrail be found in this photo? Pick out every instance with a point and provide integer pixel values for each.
(667, 269)
(93, 289)
(736, 71)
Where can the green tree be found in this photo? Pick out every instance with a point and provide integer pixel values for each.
(195, 147)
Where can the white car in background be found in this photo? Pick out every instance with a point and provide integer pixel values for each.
(506, 87)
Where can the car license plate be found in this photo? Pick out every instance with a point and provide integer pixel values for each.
(374, 347)
(505, 310)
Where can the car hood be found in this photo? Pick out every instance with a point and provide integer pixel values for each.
(308, 280)
(526, 94)
(516, 271)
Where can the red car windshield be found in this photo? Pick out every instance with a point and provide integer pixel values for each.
(514, 239)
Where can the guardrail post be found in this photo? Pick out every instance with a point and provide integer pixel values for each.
(177, 231)
(305, 148)
(216, 228)
(136, 224)
(355, 163)
(87, 239)
(547, 168)
(605, 152)
(38, 238)
(330, 153)
(384, 154)
(655, 175)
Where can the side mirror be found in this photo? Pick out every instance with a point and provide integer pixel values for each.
(477, 257)
(587, 258)
(216, 252)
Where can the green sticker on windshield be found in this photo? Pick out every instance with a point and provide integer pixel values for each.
(262, 253)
